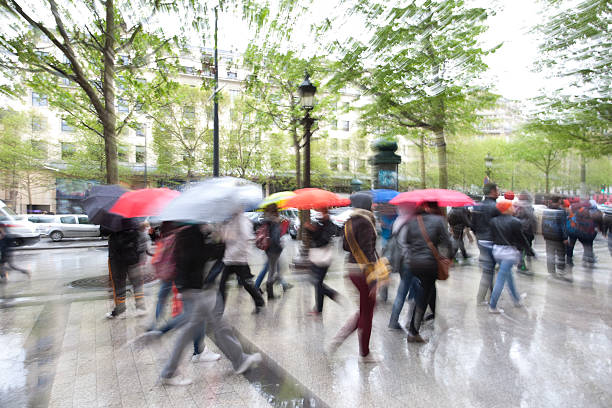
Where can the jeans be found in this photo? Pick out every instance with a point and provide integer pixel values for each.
(273, 268)
(164, 290)
(204, 308)
(504, 275)
(261, 275)
(555, 256)
(405, 286)
(216, 269)
(321, 289)
(362, 320)
(428, 284)
(487, 263)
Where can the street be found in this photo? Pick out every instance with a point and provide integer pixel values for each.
(59, 351)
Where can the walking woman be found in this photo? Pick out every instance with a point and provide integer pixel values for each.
(273, 221)
(360, 241)
(321, 256)
(508, 242)
(426, 229)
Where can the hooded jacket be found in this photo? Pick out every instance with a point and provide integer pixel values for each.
(363, 228)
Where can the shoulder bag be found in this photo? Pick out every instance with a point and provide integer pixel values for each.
(376, 273)
(444, 264)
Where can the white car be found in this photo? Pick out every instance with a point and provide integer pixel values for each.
(22, 231)
(60, 226)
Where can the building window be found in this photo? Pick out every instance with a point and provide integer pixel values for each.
(188, 70)
(122, 153)
(346, 146)
(140, 130)
(67, 127)
(68, 150)
(140, 154)
(345, 125)
(39, 99)
(122, 105)
(189, 112)
(345, 106)
(37, 124)
(232, 75)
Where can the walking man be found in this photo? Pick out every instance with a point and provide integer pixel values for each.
(554, 231)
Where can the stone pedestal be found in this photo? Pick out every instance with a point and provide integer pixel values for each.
(385, 164)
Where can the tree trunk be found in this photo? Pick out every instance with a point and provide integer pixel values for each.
(422, 152)
(442, 161)
(109, 119)
(546, 174)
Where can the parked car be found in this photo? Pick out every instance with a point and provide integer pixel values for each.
(22, 231)
(60, 226)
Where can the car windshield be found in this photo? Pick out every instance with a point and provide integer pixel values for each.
(8, 211)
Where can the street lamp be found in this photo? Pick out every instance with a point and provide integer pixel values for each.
(307, 92)
(488, 164)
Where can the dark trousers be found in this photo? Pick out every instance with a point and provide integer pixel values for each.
(587, 245)
(555, 256)
(118, 274)
(424, 297)
(458, 238)
(321, 289)
(245, 279)
(362, 320)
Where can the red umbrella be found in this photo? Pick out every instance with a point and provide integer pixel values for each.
(143, 203)
(313, 198)
(443, 197)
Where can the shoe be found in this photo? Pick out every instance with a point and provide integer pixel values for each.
(314, 313)
(430, 316)
(270, 291)
(371, 358)
(206, 356)
(140, 312)
(257, 309)
(251, 361)
(112, 315)
(176, 380)
(495, 310)
(482, 303)
(415, 338)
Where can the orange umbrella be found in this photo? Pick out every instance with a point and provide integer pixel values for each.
(313, 198)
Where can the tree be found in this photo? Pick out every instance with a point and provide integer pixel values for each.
(420, 67)
(541, 151)
(576, 47)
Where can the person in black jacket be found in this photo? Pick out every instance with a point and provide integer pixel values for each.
(273, 253)
(554, 230)
(202, 304)
(123, 258)
(459, 220)
(508, 241)
(322, 233)
(422, 263)
(481, 225)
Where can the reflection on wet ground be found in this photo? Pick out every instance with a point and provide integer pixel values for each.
(57, 350)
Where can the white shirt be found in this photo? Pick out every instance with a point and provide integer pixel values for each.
(237, 234)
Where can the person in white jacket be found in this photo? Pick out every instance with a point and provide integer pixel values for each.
(237, 234)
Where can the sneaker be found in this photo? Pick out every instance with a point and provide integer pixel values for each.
(251, 361)
(176, 380)
(206, 356)
(415, 338)
(140, 312)
(495, 310)
(112, 315)
(257, 309)
(371, 358)
(314, 313)
(482, 303)
(429, 317)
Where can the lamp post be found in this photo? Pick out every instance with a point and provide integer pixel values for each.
(307, 92)
(216, 108)
(488, 164)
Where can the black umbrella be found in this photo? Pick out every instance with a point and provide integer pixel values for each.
(98, 203)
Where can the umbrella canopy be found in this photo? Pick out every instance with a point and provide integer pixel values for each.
(98, 203)
(213, 200)
(280, 199)
(443, 197)
(383, 195)
(143, 203)
(313, 198)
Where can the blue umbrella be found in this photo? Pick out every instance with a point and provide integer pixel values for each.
(383, 195)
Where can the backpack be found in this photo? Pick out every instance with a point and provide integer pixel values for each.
(164, 261)
(262, 237)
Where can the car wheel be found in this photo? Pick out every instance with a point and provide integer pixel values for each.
(56, 236)
(18, 242)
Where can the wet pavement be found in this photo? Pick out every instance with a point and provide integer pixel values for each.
(57, 350)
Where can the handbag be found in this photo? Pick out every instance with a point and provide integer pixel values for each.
(376, 273)
(444, 264)
(321, 256)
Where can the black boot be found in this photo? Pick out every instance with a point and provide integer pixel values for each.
(270, 290)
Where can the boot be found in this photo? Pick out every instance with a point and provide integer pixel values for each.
(270, 290)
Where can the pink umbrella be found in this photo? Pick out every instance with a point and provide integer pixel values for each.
(144, 203)
(441, 196)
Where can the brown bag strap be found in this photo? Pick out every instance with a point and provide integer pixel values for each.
(429, 243)
(355, 249)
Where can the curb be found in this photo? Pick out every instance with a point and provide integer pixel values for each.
(59, 247)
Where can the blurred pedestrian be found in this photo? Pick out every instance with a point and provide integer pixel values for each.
(237, 235)
(459, 220)
(523, 210)
(583, 221)
(481, 225)
(273, 222)
(7, 245)
(202, 306)
(554, 231)
(387, 214)
(321, 255)
(607, 227)
(360, 242)
(508, 241)
(427, 229)
(123, 258)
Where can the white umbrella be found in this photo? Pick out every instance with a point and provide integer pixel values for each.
(213, 200)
